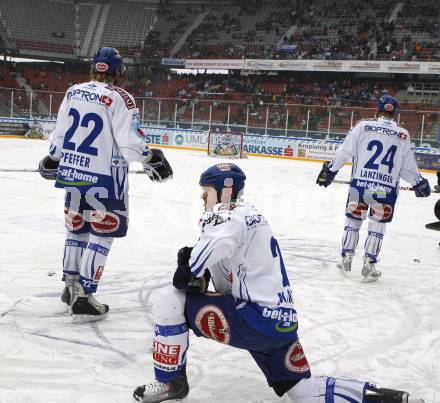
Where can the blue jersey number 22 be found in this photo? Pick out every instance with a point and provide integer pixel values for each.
(85, 146)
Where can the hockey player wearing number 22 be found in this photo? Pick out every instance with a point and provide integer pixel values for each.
(381, 154)
(252, 307)
(96, 136)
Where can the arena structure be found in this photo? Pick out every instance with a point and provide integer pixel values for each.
(288, 73)
(281, 79)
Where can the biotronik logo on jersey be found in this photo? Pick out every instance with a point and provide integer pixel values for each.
(385, 130)
(89, 96)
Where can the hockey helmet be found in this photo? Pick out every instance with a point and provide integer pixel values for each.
(224, 175)
(387, 104)
(107, 61)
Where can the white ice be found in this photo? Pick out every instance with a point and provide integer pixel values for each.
(386, 332)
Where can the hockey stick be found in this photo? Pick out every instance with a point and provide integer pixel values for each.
(410, 188)
(36, 170)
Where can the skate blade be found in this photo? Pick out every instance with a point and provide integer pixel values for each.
(342, 270)
(184, 398)
(369, 279)
(87, 318)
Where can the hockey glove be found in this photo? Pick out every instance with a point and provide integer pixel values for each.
(326, 176)
(183, 255)
(422, 189)
(185, 281)
(158, 168)
(48, 168)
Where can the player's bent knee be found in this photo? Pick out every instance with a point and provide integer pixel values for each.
(168, 305)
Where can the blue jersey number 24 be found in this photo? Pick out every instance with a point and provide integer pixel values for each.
(387, 160)
(85, 146)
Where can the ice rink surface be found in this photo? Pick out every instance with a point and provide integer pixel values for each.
(386, 332)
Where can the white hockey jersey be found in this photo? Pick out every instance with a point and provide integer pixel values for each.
(239, 249)
(381, 153)
(96, 135)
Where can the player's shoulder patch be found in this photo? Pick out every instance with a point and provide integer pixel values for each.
(126, 97)
(215, 218)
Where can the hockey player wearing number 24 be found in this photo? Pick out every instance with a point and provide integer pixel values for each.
(96, 136)
(252, 307)
(381, 153)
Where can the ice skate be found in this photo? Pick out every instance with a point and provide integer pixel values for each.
(382, 395)
(69, 282)
(156, 391)
(369, 271)
(85, 308)
(345, 264)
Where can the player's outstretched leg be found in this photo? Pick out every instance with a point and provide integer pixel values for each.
(85, 308)
(373, 244)
(350, 240)
(322, 389)
(170, 344)
(383, 395)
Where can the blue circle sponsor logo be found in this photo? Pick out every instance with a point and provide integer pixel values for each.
(179, 139)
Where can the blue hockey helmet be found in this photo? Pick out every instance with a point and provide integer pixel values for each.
(387, 104)
(107, 61)
(224, 175)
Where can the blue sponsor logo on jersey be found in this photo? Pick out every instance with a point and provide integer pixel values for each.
(72, 177)
(253, 220)
(280, 314)
(386, 131)
(89, 96)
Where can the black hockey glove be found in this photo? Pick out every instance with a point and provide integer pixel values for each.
(183, 278)
(158, 168)
(326, 176)
(183, 255)
(48, 168)
(422, 189)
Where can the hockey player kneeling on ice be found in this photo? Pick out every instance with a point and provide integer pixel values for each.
(96, 135)
(381, 154)
(252, 308)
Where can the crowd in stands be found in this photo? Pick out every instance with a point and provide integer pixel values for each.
(282, 29)
(300, 88)
(345, 29)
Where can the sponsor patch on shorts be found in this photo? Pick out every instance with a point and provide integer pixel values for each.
(212, 323)
(104, 222)
(73, 220)
(295, 359)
